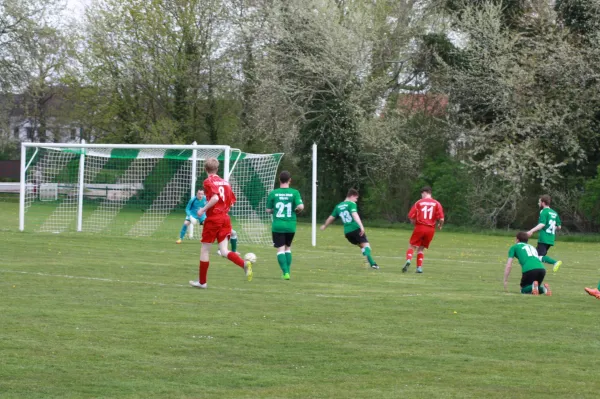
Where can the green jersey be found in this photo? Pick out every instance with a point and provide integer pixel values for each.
(345, 210)
(551, 221)
(283, 202)
(527, 256)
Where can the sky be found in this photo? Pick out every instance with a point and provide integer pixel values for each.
(76, 8)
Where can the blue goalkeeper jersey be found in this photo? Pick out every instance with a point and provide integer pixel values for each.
(193, 205)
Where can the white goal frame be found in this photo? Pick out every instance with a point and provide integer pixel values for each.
(228, 168)
(227, 150)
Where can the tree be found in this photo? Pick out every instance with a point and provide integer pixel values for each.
(161, 68)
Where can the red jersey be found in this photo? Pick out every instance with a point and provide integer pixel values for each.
(215, 185)
(426, 212)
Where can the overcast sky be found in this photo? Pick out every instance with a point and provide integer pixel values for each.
(75, 8)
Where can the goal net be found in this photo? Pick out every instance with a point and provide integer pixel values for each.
(138, 190)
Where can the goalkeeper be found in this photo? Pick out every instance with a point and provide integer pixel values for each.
(191, 210)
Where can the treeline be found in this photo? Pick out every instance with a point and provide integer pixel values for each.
(490, 102)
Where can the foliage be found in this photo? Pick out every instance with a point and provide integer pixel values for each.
(590, 200)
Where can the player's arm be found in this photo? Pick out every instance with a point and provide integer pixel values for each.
(507, 270)
(270, 204)
(440, 215)
(536, 228)
(359, 222)
(329, 220)
(412, 214)
(188, 208)
(211, 202)
(299, 204)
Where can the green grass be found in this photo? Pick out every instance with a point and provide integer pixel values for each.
(88, 316)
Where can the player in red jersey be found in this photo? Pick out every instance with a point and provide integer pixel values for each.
(217, 225)
(424, 214)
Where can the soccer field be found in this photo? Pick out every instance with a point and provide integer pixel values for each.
(86, 316)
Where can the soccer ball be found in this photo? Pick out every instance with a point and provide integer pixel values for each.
(250, 257)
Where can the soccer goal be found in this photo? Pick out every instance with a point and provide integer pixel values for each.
(137, 190)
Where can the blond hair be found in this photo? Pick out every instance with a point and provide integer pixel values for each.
(211, 165)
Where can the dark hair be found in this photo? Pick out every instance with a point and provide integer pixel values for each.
(426, 189)
(284, 176)
(352, 193)
(545, 199)
(522, 236)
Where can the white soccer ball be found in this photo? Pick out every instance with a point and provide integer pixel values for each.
(250, 257)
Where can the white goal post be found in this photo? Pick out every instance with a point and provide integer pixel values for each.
(137, 190)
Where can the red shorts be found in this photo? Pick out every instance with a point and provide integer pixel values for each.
(421, 236)
(216, 228)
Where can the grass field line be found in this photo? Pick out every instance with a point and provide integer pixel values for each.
(312, 251)
(111, 280)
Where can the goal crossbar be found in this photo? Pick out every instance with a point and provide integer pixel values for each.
(137, 190)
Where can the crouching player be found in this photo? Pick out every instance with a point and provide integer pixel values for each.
(217, 225)
(532, 268)
(191, 210)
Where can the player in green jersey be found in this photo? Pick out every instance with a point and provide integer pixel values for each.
(284, 202)
(531, 266)
(548, 224)
(353, 227)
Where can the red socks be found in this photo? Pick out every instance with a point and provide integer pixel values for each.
(235, 258)
(420, 260)
(409, 254)
(203, 272)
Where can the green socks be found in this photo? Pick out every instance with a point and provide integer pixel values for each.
(548, 260)
(288, 257)
(283, 265)
(367, 252)
(527, 289)
(234, 244)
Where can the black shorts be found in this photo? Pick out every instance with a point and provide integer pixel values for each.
(281, 239)
(355, 238)
(542, 249)
(533, 275)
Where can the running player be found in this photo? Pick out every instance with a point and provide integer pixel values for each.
(353, 227)
(548, 224)
(217, 225)
(424, 214)
(284, 202)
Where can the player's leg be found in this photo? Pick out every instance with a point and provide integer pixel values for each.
(413, 244)
(427, 234)
(420, 257)
(288, 259)
(527, 280)
(543, 288)
(184, 228)
(279, 243)
(203, 268)
(366, 251)
(223, 238)
(289, 237)
(595, 292)
(233, 239)
(542, 250)
(209, 235)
